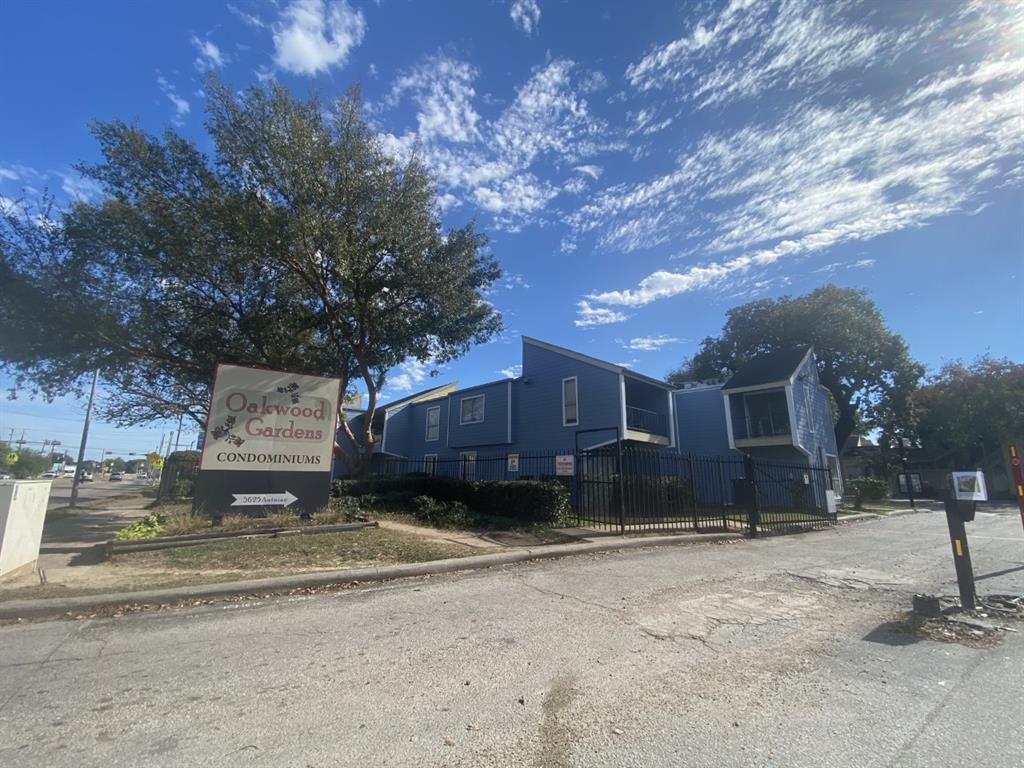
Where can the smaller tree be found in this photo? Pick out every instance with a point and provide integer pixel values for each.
(972, 409)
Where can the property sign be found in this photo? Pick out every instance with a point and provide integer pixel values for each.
(565, 465)
(915, 482)
(513, 462)
(969, 486)
(269, 440)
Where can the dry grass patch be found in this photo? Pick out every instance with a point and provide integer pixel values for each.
(346, 549)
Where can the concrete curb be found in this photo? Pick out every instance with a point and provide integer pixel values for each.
(55, 607)
(862, 516)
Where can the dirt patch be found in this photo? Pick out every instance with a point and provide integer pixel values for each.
(909, 628)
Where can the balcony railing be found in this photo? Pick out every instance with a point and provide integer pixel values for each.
(767, 427)
(642, 420)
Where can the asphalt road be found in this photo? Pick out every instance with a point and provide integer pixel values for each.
(96, 490)
(775, 652)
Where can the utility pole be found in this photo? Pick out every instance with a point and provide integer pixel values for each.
(160, 450)
(85, 437)
(177, 439)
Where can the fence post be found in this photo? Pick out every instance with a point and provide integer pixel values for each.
(693, 492)
(622, 488)
(753, 516)
(721, 490)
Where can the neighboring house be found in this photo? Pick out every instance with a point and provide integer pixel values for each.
(774, 408)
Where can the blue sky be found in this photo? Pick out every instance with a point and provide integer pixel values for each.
(640, 167)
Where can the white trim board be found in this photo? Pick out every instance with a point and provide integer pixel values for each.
(576, 390)
(483, 409)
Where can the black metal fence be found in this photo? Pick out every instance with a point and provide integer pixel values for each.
(176, 478)
(635, 489)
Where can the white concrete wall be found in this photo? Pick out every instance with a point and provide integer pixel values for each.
(22, 512)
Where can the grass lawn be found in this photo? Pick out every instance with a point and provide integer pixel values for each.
(324, 551)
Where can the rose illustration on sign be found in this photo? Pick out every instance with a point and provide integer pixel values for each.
(223, 432)
(293, 390)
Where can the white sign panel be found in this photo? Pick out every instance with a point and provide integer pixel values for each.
(970, 486)
(513, 462)
(565, 465)
(264, 420)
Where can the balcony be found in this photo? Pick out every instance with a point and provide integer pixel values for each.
(646, 426)
(761, 419)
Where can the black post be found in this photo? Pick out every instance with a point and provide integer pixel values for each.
(622, 489)
(905, 460)
(961, 552)
(750, 485)
(693, 492)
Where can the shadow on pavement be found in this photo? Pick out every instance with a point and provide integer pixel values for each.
(892, 633)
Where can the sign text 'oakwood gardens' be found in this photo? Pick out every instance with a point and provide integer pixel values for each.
(269, 440)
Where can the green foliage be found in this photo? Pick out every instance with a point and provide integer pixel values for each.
(28, 465)
(865, 366)
(442, 514)
(867, 489)
(971, 410)
(148, 527)
(183, 488)
(298, 244)
(520, 501)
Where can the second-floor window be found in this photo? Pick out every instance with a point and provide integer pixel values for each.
(767, 414)
(433, 423)
(472, 410)
(570, 403)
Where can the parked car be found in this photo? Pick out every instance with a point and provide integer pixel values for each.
(4, 476)
(116, 476)
(48, 475)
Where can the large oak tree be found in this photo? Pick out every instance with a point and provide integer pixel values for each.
(866, 367)
(299, 244)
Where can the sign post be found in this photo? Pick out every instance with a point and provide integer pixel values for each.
(968, 488)
(1018, 479)
(269, 441)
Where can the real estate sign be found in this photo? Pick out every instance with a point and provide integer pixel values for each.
(269, 439)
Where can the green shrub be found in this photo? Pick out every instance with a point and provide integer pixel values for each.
(147, 528)
(441, 514)
(867, 489)
(183, 488)
(517, 501)
(179, 521)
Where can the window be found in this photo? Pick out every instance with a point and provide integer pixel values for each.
(430, 464)
(433, 423)
(467, 465)
(471, 410)
(570, 408)
(767, 414)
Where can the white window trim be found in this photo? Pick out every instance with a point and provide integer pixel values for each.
(426, 432)
(431, 460)
(483, 409)
(576, 386)
(465, 457)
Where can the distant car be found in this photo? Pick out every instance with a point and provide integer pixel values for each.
(85, 477)
(48, 475)
(4, 476)
(116, 476)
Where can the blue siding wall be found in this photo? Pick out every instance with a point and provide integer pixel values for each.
(813, 430)
(416, 443)
(540, 401)
(493, 430)
(700, 422)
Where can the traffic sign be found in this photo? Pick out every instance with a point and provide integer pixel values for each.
(11, 458)
(263, 499)
(154, 456)
(158, 464)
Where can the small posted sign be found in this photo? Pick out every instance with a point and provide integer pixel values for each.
(565, 465)
(513, 462)
(970, 486)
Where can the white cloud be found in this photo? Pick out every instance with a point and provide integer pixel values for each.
(819, 175)
(491, 162)
(650, 343)
(313, 35)
(8, 174)
(512, 372)
(250, 19)
(181, 106)
(210, 56)
(593, 171)
(751, 47)
(525, 15)
(588, 316)
(413, 373)
(79, 188)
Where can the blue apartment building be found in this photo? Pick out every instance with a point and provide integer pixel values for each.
(774, 409)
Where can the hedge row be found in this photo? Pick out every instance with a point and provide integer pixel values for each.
(527, 501)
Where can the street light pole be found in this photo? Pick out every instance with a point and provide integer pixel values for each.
(85, 438)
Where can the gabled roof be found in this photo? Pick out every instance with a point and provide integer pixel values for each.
(595, 362)
(428, 394)
(770, 368)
